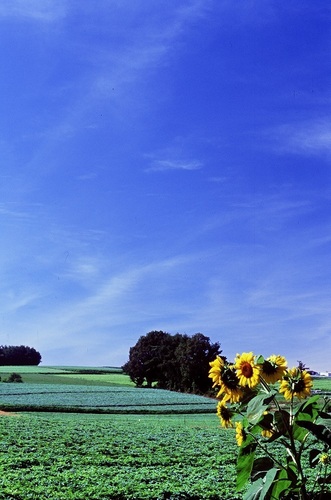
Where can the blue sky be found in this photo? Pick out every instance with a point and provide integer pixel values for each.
(165, 165)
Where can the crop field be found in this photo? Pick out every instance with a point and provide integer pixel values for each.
(40, 397)
(69, 456)
(322, 384)
(77, 433)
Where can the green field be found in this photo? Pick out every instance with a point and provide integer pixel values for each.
(80, 433)
(112, 399)
(70, 456)
(323, 384)
(83, 433)
(71, 375)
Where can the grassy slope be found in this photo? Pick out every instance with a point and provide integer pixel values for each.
(68, 375)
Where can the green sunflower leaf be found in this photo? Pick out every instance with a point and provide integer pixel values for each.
(299, 432)
(260, 489)
(259, 360)
(245, 461)
(322, 432)
(257, 406)
(308, 409)
(260, 467)
(281, 485)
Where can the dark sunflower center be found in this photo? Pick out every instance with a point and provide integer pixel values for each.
(269, 368)
(299, 386)
(225, 414)
(230, 379)
(246, 369)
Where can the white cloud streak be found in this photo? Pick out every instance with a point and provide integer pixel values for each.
(18, 211)
(308, 138)
(165, 165)
(108, 306)
(45, 11)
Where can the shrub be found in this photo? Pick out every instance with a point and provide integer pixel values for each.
(14, 378)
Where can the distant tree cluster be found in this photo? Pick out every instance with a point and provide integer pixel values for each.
(175, 362)
(18, 355)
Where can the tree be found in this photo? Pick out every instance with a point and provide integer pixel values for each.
(175, 362)
(194, 355)
(302, 366)
(147, 357)
(19, 355)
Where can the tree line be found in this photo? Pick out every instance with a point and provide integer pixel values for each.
(19, 355)
(175, 362)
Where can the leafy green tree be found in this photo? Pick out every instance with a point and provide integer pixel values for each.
(194, 355)
(175, 362)
(19, 355)
(147, 357)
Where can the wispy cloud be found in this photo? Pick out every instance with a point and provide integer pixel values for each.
(115, 77)
(87, 177)
(113, 303)
(151, 45)
(16, 211)
(218, 179)
(262, 308)
(13, 300)
(45, 11)
(261, 214)
(269, 312)
(164, 165)
(84, 270)
(122, 285)
(308, 138)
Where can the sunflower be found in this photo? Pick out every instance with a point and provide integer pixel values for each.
(247, 371)
(224, 414)
(240, 433)
(297, 383)
(273, 368)
(229, 385)
(215, 371)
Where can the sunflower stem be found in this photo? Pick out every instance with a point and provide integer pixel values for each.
(295, 456)
(292, 451)
(264, 448)
(265, 386)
